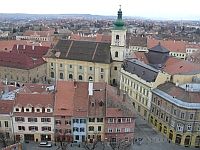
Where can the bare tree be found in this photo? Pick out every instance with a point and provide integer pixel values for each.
(3, 139)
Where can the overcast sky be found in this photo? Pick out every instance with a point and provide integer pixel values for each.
(168, 9)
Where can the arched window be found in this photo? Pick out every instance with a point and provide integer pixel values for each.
(61, 75)
(70, 76)
(90, 78)
(116, 54)
(80, 77)
(117, 37)
(52, 74)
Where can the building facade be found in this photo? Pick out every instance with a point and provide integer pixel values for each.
(33, 117)
(175, 112)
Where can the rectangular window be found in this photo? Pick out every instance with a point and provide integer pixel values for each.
(99, 119)
(179, 127)
(182, 115)
(75, 120)
(58, 122)
(45, 128)
(19, 119)
(102, 70)
(70, 66)
(82, 129)
(110, 130)
(80, 67)
(127, 130)
(82, 121)
(90, 68)
(91, 119)
(45, 119)
(110, 120)
(21, 128)
(191, 116)
(32, 119)
(33, 128)
(6, 123)
(189, 127)
(99, 128)
(118, 130)
(75, 129)
(0, 123)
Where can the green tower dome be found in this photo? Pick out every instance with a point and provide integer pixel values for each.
(119, 23)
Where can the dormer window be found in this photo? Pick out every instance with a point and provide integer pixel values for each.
(38, 110)
(48, 110)
(17, 109)
(27, 110)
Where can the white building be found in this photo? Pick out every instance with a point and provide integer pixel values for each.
(33, 117)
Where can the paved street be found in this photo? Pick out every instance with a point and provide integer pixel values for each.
(153, 140)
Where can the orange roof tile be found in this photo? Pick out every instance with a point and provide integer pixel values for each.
(64, 98)
(173, 46)
(6, 106)
(179, 66)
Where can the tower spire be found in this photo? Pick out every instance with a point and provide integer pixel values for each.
(119, 24)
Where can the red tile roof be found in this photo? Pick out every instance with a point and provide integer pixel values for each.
(97, 38)
(31, 51)
(34, 99)
(81, 99)
(64, 98)
(6, 106)
(20, 61)
(38, 33)
(173, 46)
(140, 56)
(179, 66)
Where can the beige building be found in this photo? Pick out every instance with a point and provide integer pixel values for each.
(6, 124)
(139, 82)
(80, 61)
(175, 112)
(33, 117)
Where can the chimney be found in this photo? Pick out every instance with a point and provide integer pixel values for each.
(124, 97)
(90, 87)
(33, 47)
(24, 46)
(17, 46)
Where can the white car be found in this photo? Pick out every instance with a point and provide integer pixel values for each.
(45, 144)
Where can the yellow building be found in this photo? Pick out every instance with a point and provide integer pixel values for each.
(175, 112)
(138, 79)
(80, 61)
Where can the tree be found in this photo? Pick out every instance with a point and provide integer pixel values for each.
(3, 139)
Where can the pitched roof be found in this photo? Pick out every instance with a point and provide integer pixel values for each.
(173, 46)
(83, 50)
(39, 33)
(19, 61)
(34, 99)
(6, 106)
(180, 93)
(81, 99)
(179, 66)
(64, 98)
(31, 51)
(159, 48)
(137, 41)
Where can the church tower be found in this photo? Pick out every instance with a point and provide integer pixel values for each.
(118, 42)
(118, 47)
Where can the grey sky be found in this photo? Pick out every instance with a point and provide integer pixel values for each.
(169, 9)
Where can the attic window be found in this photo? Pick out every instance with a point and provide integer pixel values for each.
(17, 109)
(92, 103)
(101, 103)
(143, 72)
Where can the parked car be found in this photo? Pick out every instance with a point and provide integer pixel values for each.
(45, 144)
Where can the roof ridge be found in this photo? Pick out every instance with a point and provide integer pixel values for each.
(95, 51)
(69, 47)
